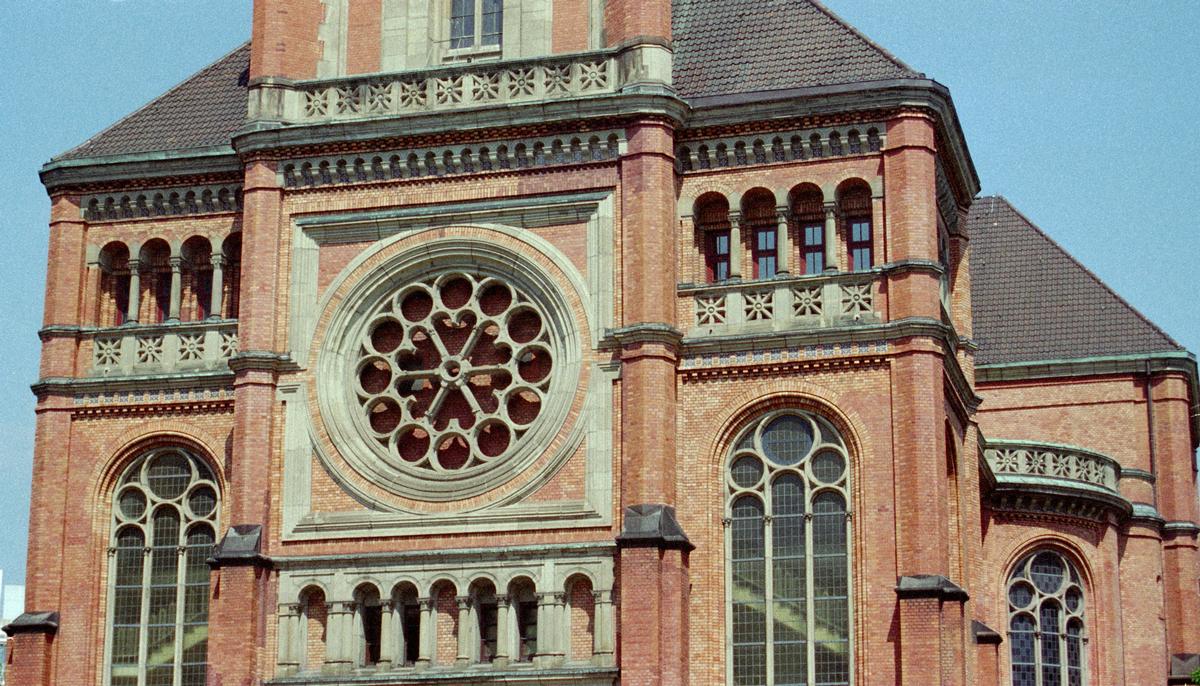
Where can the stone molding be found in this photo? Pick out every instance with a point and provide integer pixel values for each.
(162, 202)
(436, 162)
(811, 144)
(162, 349)
(454, 87)
(512, 218)
(1052, 479)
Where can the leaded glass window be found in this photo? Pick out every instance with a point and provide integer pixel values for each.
(1046, 622)
(787, 536)
(164, 529)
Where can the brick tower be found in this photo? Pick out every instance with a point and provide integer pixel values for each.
(585, 342)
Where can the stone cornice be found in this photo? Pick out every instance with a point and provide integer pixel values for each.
(533, 552)
(1140, 364)
(262, 360)
(262, 136)
(60, 174)
(145, 382)
(827, 100)
(649, 332)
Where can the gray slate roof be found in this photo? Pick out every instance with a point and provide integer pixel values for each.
(1033, 302)
(730, 47)
(201, 112)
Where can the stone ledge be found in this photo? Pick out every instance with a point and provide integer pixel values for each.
(653, 526)
(930, 586)
(33, 623)
(241, 547)
(1182, 666)
(984, 634)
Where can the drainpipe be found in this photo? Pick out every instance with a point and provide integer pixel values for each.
(1153, 438)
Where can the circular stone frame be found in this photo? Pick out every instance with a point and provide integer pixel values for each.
(339, 354)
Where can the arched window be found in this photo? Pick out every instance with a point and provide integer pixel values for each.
(1046, 630)
(368, 623)
(788, 576)
(165, 511)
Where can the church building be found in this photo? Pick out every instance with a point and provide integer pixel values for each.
(587, 343)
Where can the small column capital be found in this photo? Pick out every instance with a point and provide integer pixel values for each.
(217, 260)
(464, 602)
(289, 609)
(602, 597)
(134, 264)
(425, 603)
(176, 262)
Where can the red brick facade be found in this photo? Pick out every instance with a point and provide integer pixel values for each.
(936, 524)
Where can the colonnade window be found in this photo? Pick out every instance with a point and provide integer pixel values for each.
(1046, 625)
(159, 283)
(449, 625)
(807, 234)
(787, 544)
(164, 529)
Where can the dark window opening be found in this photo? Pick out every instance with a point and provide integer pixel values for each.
(812, 248)
(162, 296)
(372, 620)
(764, 253)
(487, 630)
(716, 255)
(410, 617)
(527, 629)
(203, 294)
(121, 286)
(860, 244)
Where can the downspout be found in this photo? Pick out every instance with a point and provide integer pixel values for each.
(1153, 438)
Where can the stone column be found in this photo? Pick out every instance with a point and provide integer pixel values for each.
(603, 631)
(218, 285)
(783, 243)
(289, 636)
(547, 630)
(831, 237)
(135, 291)
(388, 630)
(176, 288)
(736, 243)
(464, 631)
(504, 632)
(427, 638)
(339, 643)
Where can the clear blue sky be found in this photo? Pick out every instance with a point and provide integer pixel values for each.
(1083, 114)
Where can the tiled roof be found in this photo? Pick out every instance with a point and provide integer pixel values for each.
(1034, 302)
(200, 112)
(729, 47)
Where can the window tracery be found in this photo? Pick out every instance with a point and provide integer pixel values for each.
(787, 540)
(165, 512)
(1046, 623)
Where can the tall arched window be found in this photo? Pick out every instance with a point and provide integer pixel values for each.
(1046, 630)
(789, 574)
(165, 511)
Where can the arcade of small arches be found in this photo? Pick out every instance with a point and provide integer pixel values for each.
(160, 281)
(762, 234)
(453, 622)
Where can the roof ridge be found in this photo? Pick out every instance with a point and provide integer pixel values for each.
(1088, 272)
(186, 81)
(820, 6)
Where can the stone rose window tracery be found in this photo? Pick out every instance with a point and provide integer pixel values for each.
(452, 371)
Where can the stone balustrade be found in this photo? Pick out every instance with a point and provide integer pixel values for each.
(1052, 463)
(453, 87)
(782, 304)
(163, 348)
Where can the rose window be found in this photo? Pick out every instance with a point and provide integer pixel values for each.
(452, 370)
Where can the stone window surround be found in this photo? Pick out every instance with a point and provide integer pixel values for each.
(595, 209)
(202, 477)
(416, 33)
(1073, 581)
(812, 488)
(550, 569)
